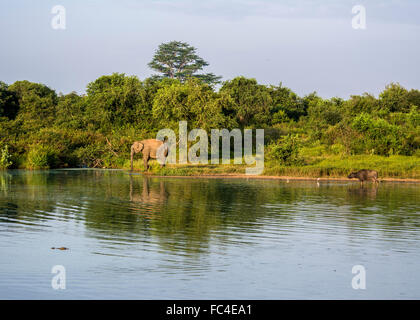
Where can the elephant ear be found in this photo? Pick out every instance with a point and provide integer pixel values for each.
(137, 146)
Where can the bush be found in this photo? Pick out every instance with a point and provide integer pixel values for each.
(315, 150)
(42, 157)
(285, 150)
(5, 157)
(338, 149)
(90, 155)
(380, 137)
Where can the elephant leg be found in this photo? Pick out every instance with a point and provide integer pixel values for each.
(146, 162)
(161, 159)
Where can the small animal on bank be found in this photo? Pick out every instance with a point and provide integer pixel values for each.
(151, 149)
(365, 175)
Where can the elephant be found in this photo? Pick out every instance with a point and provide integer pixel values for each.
(151, 149)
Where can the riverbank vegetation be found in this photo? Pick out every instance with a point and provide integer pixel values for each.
(304, 136)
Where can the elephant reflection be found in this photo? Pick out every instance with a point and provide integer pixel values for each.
(149, 195)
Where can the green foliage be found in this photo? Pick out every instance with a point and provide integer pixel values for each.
(324, 112)
(9, 105)
(178, 60)
(115, 100)
(358, 104)
(315, 150)
(338, 149)
(336, 166)
(41, 157)
(37, 104)
(70, 110)
(5, 158)
(379, 136)
(43, 130)
(193, 102)
(286, 105)
(279, 117)
(251, 102)
(285, 151)
(394, 98)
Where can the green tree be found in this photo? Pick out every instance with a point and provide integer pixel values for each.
(9, 105)
(285, 150)
(70, 111)
(192, 101)
(252, 102)
(379, 137)
(37, 104)
(286, 104)
(413, 97)
(358, 104)
(324, 112)
(394, 98)
(115, 101)
(179, 60)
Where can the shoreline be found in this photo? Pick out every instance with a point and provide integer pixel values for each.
(262, 177)
(234, 176)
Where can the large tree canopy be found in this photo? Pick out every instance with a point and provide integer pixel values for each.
(9, 105)
(179, 60)
(37, 104)
(115, 100)
(251, 101)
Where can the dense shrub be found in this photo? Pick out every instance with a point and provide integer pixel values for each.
(96, 129)
(380, 137)
(285, 151)
(5, 158)
(42, 157)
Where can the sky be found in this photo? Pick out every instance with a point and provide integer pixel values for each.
(305, 45)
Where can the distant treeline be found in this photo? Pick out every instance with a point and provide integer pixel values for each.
(40, 128)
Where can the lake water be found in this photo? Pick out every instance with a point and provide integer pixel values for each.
(132, 237)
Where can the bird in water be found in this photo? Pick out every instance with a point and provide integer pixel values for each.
(61, 248)
(317, 182)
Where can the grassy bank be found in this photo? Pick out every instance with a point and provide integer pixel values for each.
(402, 167)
